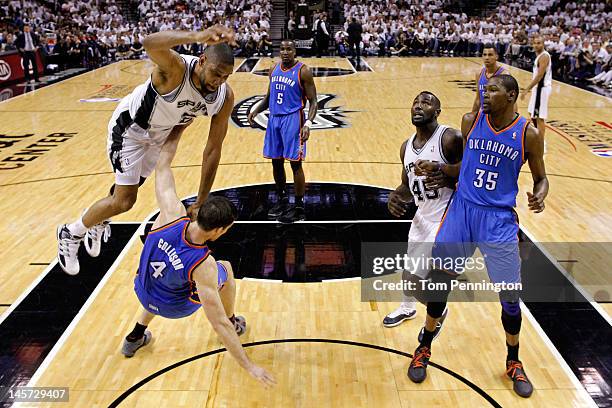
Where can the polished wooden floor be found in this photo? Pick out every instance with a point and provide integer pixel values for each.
(56, 186)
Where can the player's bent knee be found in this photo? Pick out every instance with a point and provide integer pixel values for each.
(435, 309)
(124, 202)
(228, 268)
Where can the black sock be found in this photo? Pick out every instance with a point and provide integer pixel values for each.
(281, 193)
(427, 338)
(512, 352)
(299, 201)
(136, 333)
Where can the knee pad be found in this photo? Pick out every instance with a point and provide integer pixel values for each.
(511, 317)
(511, 308)
(435, 309)
(441, 283)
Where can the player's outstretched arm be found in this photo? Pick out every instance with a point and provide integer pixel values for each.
(170, 68)
(170, 206)
(205, 277)
(212, 152)
(534, 146)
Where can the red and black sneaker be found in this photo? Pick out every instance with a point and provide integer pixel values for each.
(516, 372)
(417, 372)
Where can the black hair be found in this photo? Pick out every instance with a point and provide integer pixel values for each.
(220, 53)
(435, 98)
(216, 212)
(288, 40)
(509, 83)
(491, 46)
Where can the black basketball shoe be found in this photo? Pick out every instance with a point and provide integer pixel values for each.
(279, 208)
(417, 372)
(292, 214)
(516, 372)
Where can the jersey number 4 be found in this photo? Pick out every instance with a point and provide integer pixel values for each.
(491, 179)
(158, 267)
(421, 192)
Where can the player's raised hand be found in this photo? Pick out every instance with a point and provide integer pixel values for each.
(397, 205)
(536, 203)
(262, 376)
(216, 34)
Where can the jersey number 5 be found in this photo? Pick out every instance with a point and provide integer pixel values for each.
(158, 267)
(491, 182)
(279, 98)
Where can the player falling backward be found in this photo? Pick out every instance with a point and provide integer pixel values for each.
(177, 274)
(181, 87)
(497, 142)
(434, 144)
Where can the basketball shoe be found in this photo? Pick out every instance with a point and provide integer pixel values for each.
(399, 315)
(417, 372)
(94, 237)
(279, 208)
(292, 214)
(129, 347)
(515, 371)
(68, 249)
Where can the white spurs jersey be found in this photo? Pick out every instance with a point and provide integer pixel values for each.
(547, 79)
(431, 203)
(150, 116)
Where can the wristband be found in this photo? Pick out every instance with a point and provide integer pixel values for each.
(308, 123)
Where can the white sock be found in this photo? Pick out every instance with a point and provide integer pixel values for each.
(77, 228)
(410, 303)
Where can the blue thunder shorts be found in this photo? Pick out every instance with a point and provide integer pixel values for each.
(466, 226)
(283, 137)
(175, 308)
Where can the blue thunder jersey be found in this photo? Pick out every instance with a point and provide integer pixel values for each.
(483, 79)
(491, 163)
(286, 91)
(167, 263)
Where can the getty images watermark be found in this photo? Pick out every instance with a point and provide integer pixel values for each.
(415, 270)
(538, 272)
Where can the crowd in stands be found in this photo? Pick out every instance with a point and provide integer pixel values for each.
(91, 33)
(576, 34)
(94, 32)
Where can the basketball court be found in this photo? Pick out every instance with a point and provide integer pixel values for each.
(302, 299)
